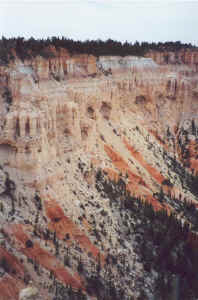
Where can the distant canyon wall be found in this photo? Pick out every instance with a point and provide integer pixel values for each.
(51, 106)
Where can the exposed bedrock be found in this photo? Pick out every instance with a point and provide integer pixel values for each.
(66, 120)
(56, 106)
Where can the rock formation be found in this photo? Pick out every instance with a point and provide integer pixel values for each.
(72, 126)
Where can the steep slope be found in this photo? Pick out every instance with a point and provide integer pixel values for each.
(98, 178)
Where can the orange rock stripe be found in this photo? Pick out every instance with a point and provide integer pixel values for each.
(12, 262)
(42, 257)
(151, 170)
(136, 186)
(63, 225)
(122, 166)
(10, 288)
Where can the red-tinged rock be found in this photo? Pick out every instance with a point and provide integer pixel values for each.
(10, 288)
(42, 257)
(123, 167)
(138, 156)
(63, 226)
(12, 263)
(136, 186)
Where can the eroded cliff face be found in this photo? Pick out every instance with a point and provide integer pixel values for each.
(62, 120)
(181, 57)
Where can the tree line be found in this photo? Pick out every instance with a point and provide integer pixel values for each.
(29, 48)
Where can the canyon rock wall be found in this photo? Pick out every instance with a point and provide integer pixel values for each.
(54, 107)
(183, 56)
(65, 117)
